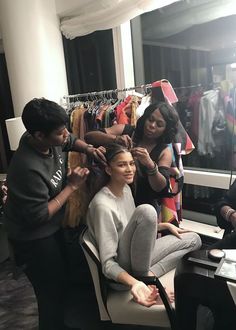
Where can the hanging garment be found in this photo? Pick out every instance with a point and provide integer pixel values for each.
(134, 105)
(193, 106)
(145, 102)
(78, 201)
(126, 111)
(171, 206)
(230, 107)
(121, 115)
(208, 108)
(167, 91)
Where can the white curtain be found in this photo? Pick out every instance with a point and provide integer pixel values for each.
(106, 14)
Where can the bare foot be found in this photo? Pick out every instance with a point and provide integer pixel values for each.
(170, 295)
(150, 273)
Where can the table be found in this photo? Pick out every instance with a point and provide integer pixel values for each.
(195, 285)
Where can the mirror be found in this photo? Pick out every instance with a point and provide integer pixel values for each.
(186, 39)
(192, 44)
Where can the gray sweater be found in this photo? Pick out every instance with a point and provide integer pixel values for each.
(33, 179)
(107, 218)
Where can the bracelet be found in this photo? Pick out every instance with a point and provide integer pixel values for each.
(228, 214)
(153, 171)
(57, 201)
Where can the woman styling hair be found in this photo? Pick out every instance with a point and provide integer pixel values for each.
(151, 139)
(38, 188)
(154, 132)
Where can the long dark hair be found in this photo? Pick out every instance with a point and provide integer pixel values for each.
(170, 116)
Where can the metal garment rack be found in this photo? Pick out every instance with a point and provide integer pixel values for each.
(186, 87)
(116, 91)
(71, 100)
(108, 92)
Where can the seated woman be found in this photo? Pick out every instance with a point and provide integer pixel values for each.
(151, 140)
(226, 219)
(125, 235)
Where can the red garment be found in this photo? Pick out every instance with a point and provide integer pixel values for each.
(102, 111)
(167, 90)
(121, 116)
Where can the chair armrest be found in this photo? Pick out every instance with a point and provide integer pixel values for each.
(153, 280)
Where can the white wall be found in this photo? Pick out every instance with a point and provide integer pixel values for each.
(34, 52)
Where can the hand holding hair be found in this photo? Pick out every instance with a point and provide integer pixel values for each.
(124, 140)
(77, 176)
(143, 156)
(97, 153)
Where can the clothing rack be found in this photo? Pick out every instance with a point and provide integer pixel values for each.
(186, 87)
(108, 92)
(72, 99)
(115, 91)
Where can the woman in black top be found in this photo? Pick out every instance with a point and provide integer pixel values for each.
(38, 189)
(149, 141)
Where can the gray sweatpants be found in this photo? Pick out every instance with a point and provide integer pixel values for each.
(140, 251)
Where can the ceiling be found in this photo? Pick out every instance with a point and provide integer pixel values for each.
(73, 7)
(81, 17)
(217, 34)
(200, 24)
(196, 24)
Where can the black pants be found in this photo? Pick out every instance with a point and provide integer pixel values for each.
(193, 290)
(227, 242)
(44, 263)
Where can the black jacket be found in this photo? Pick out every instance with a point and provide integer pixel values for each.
(230, 200)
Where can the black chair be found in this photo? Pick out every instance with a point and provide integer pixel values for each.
(118, 306)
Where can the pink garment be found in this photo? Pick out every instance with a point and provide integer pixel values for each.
(167, 90)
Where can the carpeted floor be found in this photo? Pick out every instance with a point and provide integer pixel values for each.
(18, 306)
